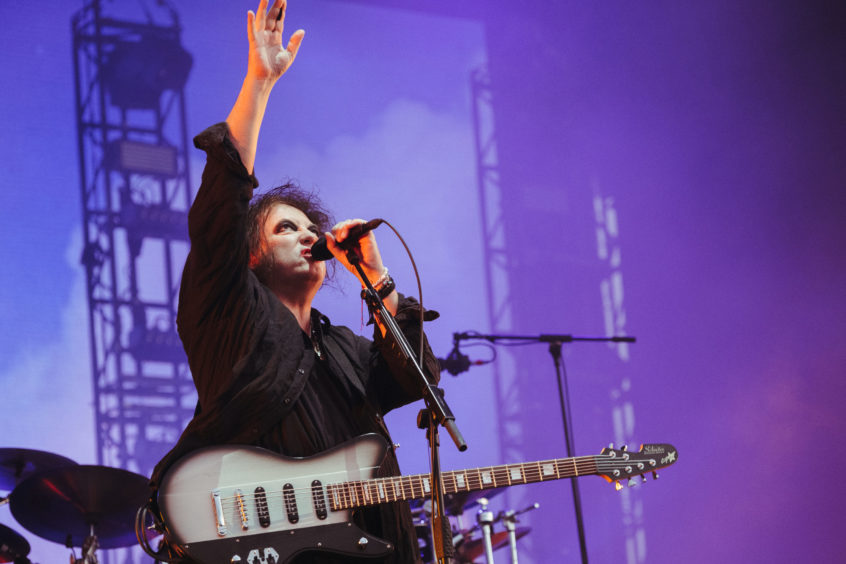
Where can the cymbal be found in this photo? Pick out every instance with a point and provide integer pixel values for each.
(18, 463)
(459, 502)
(471, 549)
(12, 545)
(455, 504)
(63, 504)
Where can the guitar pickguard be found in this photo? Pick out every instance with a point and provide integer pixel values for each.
(340, 538)
(233, 500)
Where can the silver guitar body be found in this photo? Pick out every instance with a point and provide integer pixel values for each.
(223, 503)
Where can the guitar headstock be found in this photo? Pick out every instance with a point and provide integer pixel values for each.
(620, 464)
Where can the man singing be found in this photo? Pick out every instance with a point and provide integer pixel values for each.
(269, 369)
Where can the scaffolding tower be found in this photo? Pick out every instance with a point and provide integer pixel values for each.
(134, 176)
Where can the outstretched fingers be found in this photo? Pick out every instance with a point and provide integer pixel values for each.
(261, 16)
(294, 43)
(278, 11)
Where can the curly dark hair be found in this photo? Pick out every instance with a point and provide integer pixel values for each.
(289, 194)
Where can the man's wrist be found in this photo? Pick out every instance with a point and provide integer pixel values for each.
(384, 285)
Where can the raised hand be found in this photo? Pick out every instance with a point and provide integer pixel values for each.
(268, 58)
(267, 61)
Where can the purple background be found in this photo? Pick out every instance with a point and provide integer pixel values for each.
(717, 131)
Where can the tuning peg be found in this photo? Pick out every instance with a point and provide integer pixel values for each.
(611, 446)
(618, 486)
(654, 475)
(643, 478)
(632, 482)
(624, 447)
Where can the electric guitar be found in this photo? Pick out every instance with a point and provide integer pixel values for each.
(246, 504)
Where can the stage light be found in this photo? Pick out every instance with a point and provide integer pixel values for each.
(154, 344)
(152, 220)
(143, 158)
(136, 73)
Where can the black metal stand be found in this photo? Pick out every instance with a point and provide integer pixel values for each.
(437, 413)
(555, 342)
(564, 399)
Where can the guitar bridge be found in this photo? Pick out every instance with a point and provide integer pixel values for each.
(242, 510)
(218, 514)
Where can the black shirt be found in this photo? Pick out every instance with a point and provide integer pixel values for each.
(258, 378)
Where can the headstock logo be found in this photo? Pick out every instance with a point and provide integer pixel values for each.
(653, 449)
(671, 457)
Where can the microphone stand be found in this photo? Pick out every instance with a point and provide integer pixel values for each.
(437, 413)
(555, 342)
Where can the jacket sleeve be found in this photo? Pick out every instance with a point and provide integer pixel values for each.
(219, 307)
(393, 381)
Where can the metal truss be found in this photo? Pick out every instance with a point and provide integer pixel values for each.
(497, 276)
(134, 179)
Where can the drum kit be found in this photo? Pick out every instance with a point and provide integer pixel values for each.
(473, 543)
(53, 497)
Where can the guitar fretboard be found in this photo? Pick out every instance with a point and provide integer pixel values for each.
(348, 495)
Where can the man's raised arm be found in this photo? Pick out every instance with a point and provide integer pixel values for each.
(268, 60)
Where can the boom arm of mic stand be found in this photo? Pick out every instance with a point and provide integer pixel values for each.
(437, 412)
(434, 400)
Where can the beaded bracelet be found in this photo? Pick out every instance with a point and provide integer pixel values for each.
(384, 286)
(382, 279)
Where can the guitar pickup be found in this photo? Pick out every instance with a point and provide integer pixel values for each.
(319, 499)
(261, 507)
(290, 499)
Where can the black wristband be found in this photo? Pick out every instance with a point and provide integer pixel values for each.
(384, 289)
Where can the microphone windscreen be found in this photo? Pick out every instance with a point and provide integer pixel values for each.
(320, 251)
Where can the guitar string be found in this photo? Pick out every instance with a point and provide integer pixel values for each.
(497, 472)
(500, 474)
(349, 490)
(356, 495)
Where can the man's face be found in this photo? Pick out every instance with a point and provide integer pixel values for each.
(286, 250)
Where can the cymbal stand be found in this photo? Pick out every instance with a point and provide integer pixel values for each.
(510, 520)
(89, 549)
(485, 519)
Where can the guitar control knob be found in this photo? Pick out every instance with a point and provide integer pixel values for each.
(362, 543)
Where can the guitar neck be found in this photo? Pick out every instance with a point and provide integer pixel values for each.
(349, 495)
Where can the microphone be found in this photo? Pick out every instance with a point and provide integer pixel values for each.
(456, 362)
(320, 251)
